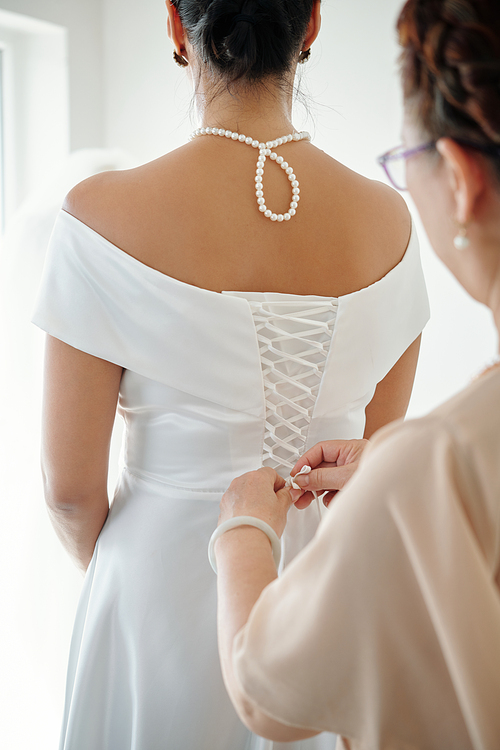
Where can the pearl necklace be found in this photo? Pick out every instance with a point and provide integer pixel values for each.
(265, 150)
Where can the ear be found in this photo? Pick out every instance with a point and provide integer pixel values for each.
(175, 29)
(314, 25)
(466, 177)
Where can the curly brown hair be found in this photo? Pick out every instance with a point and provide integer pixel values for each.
(450, 67)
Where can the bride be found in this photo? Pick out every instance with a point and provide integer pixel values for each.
(238, 299)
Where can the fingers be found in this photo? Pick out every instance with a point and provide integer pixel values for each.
(332, 478)
(285, 496)
(337, 452)
(326, 451)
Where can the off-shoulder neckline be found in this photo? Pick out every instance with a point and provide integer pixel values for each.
(127, 258)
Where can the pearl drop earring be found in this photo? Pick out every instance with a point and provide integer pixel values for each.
(461, 241)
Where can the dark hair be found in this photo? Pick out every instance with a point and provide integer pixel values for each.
(450, 67)
(246, 39)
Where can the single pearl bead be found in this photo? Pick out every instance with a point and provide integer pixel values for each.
(296, 137)
(295, 185)
(263, 207)
(262, 146)
(202, 131)
(274, 217)
(289, 171)
(461, 242)
(215, 131)
(284, 165)
(234, 136)
(267, 152)
(269, 144)
(287, 216)
(242, 138)
(267, 213)
(293, 205)
(291, 211)
(259, 193)
(255, 144)
(295, 189)
(291, 177)
(260, 171)
(228, 133)
(222, 131)
(248, 140)
(258, 178)
(260, 201)
(280, 217)
(279, 160)
(296, 198)
(273, 156)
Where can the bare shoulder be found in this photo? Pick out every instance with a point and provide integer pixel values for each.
(370, 221)
(100, 200)
(389, 211)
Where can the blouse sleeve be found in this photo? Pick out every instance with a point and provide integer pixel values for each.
(372, 631)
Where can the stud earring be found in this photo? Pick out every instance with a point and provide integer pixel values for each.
(181, 61)
(461, 241)
(304, 55)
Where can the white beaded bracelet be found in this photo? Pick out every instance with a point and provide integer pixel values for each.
(233, 523)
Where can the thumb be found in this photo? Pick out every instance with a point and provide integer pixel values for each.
(331, 478)
(285, 497)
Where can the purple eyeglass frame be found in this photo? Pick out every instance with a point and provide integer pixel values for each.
(395, 154)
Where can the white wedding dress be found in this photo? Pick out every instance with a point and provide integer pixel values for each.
(214, 385)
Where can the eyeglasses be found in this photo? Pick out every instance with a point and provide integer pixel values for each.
(393, 162)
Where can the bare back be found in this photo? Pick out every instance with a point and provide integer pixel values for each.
(192, 215)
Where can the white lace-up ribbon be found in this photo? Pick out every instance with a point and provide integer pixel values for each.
(294, 339)
(290, 484)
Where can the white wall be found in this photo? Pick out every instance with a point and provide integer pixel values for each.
(83, 19)
(147, 98)
(35, 112)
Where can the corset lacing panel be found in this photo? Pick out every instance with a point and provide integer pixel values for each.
(294, 339)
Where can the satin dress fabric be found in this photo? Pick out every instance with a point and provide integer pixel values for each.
(214, 385)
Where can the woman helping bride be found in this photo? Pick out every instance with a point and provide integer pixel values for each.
(239, 299)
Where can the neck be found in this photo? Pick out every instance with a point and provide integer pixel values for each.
(492, 297)
(262, 111)
(495, 308)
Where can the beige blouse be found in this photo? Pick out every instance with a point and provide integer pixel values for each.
(386, 628)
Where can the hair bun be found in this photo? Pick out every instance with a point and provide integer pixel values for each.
(246, 40)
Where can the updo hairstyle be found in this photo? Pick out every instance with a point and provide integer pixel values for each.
(450, 67)
(246, 40)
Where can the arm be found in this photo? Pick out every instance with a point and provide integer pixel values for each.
(243, 577)
(80, 397)
(392, 394)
